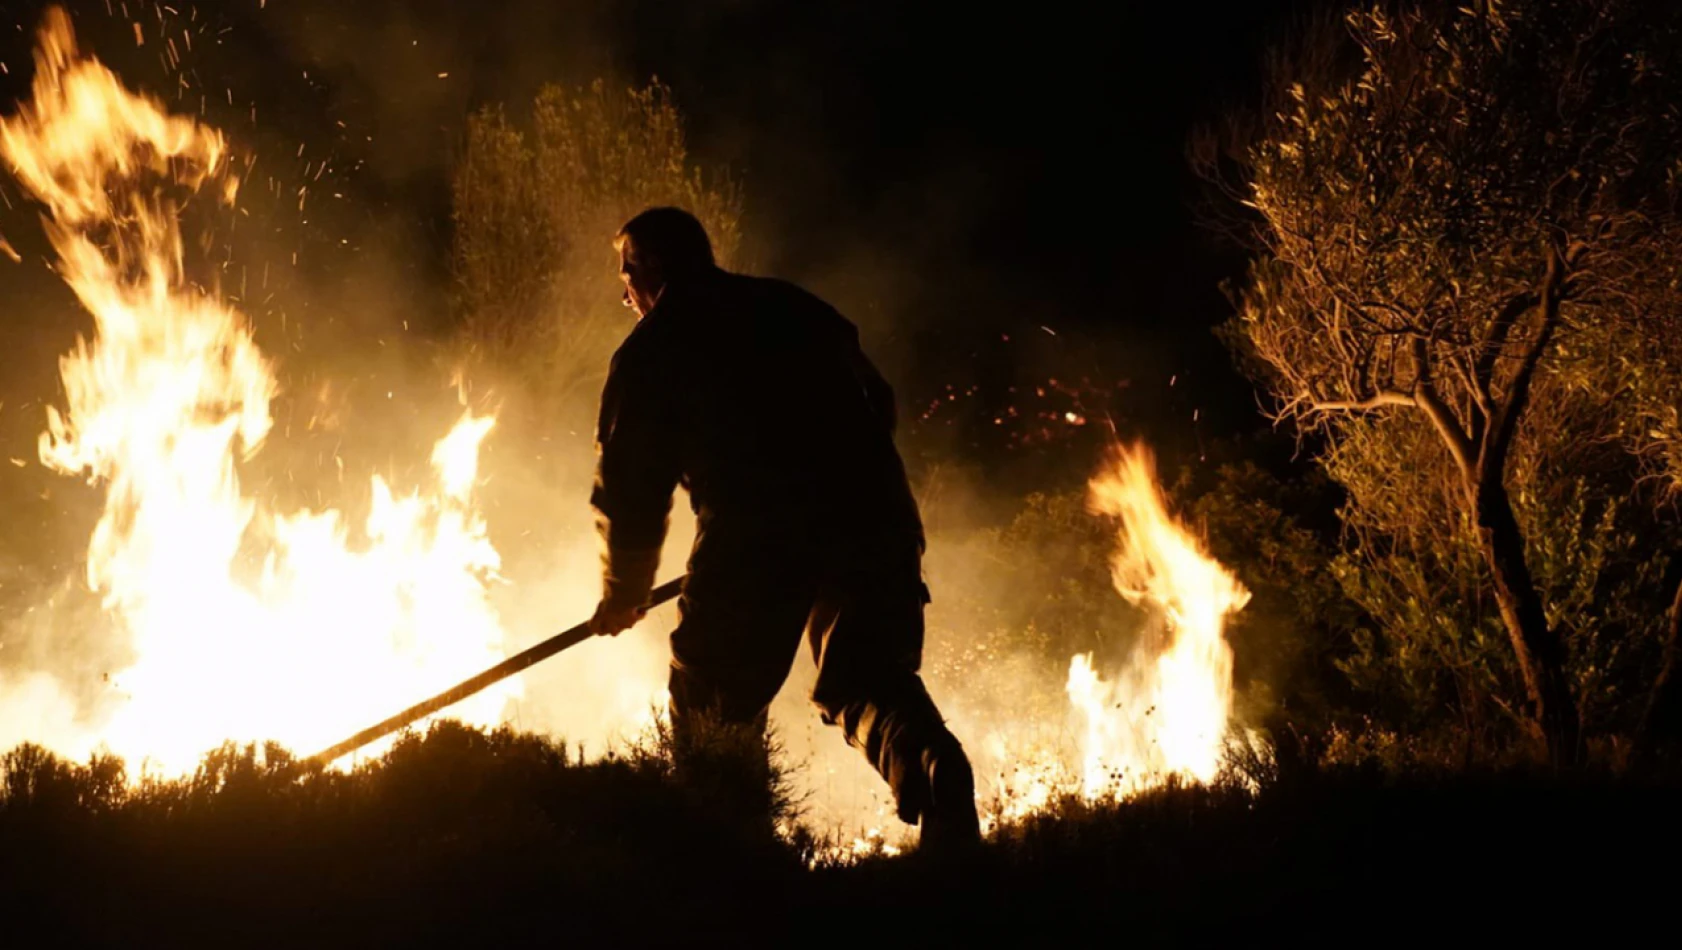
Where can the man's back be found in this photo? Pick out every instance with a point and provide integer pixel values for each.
(756, 396)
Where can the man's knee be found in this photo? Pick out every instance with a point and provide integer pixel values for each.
(736, 697)
(730, 659)
(857, 703)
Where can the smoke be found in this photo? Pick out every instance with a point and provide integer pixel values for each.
(351, 116)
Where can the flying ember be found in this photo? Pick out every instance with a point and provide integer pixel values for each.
(243, 622)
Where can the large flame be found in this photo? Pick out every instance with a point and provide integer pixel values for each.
(1165, 714)
(244, 623)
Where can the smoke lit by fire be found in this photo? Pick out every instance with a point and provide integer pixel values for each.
(246, 622)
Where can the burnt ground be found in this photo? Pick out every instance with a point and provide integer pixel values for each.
(459, 838)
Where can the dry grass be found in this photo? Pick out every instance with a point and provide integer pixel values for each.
(460, 837)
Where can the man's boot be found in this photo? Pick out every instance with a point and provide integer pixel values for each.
(949, 822)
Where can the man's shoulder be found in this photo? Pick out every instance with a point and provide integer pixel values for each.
(783, 292)
(782, 300)
(684, 321)
(645, 342)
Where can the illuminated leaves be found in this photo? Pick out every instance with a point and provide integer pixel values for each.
(1423, 182)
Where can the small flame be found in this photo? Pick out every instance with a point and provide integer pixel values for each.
(171, 392)
(456, 457)
(1166, 714)
(1162, 713)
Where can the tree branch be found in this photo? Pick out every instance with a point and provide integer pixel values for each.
(1500, 436)
(1442, 417)
(1378, 400)
(1447, 426)
(1495, 340)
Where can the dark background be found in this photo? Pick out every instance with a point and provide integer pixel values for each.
(999, 199)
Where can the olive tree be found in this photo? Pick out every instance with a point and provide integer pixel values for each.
(1451, 206)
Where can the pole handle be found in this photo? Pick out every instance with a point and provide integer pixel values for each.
(528, 657)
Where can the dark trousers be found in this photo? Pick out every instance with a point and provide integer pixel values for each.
(863, 622)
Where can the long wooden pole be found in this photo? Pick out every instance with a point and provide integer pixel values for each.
(455, 694)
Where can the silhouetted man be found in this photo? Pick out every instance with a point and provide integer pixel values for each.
(755, 396)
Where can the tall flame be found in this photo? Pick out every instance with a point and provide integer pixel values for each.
(1166, 713)
(1162, 712)
(324, 636)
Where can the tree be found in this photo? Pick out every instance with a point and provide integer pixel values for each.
(1645, 362)
(1433, 654)
(1450, 204)
(535, 210)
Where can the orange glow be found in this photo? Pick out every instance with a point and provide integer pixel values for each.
(333, 629)
(245, 622)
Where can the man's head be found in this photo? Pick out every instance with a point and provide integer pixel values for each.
(659, 247)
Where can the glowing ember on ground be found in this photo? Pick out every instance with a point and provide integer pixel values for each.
(244, 623)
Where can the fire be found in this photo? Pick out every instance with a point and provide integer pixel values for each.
(1166, 714)
(1161, 713)
(244, 623)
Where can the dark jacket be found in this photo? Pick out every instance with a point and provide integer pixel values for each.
(755, 396)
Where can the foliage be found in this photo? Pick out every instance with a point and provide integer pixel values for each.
(1287, 639)
(1452, 207)
(1437, 660)
(469, 819)
(535, 208)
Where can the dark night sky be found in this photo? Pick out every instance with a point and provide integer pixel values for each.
(950, 178)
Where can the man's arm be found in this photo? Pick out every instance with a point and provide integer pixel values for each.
(637, 469)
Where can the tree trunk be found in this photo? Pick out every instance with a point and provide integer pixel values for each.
(1541, 655)
(1662, 697)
